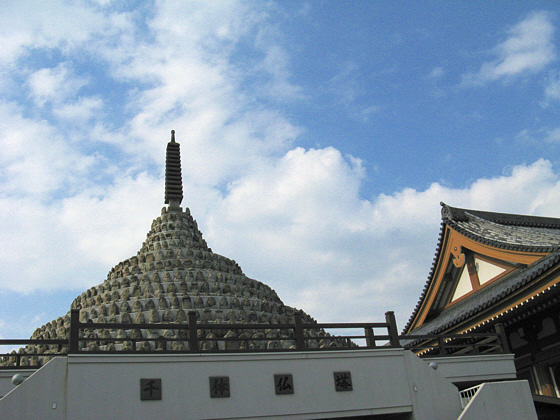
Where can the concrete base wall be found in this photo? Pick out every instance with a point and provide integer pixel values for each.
(482, 368)
(379, 382)
(433, 396)
(385, 381)
(6, 384)
(41, 396)
(501, 400)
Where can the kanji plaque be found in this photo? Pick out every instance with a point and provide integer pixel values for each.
(150, 389)
(284, 384)
(342, 381)
(219, 386)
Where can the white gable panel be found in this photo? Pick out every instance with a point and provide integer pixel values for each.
(487, 271)
(464, 286)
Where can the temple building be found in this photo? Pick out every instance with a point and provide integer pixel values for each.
(495, 268)
(178, 331)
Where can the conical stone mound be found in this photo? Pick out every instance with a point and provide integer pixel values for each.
(173, 273)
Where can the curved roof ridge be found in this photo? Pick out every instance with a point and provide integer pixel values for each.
(460, 214)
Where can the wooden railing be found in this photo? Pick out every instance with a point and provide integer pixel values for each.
(296, 335)
(251, 338)
(200, 337)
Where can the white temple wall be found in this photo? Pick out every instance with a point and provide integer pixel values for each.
(494, 399)
(379, 381)
(41, 396)
(482, 368)
(6, 384)
(108, 386)
(433, 396)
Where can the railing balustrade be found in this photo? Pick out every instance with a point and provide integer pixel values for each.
(468, 394)
(205, 337)
(199, 337)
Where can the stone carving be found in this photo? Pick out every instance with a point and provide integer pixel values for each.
(171, 289)
(125, 307)
(137, 306)
(183, 288)
(154, 316)
(167, 316)
(140, 318)
(181, 317)
(162, 303)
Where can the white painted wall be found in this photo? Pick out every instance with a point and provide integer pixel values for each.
(482, 368)
(35, 397)
(108, 386)
(509, 400)
(380, 383)
(6, 379)
(433, 396)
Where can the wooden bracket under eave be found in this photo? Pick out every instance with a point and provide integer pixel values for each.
(458, 256)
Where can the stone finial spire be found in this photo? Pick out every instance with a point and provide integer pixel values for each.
(173, 180)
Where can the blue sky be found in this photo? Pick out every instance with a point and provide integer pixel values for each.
(318, 139)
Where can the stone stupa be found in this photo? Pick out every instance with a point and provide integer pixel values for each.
(175, 272)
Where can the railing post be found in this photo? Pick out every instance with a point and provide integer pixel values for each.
(300, 342)
(370, 337)
(193, 332)
(441, 345)
(392, 329)
(73, 345)
(500, 329)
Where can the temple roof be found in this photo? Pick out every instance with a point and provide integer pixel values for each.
(488, 296)
(512, 232)
(506, 231)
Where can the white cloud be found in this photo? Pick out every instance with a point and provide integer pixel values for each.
(345, 88)
(302, 227)
(80, 111)
(37, 160)
(437, 73)
(276, 64)
(344, 85)
(552, 89)
(553, 136)
(74, 242)
(54, 84)
(199, 92)
(529, 48)
(541, 135)
(31, 24)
